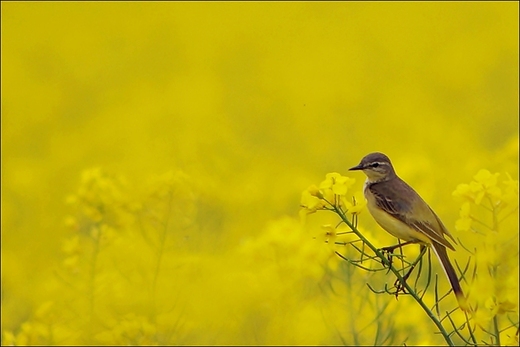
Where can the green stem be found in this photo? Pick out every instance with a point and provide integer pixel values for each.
(92, 279)
(494, 270)
(162, 244)
(386, 262)
(497, 330)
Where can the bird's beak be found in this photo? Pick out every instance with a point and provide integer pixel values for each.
(359, 167)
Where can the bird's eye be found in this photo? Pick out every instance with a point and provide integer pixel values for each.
(375, 165)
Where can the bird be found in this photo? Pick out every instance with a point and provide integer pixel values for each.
(401, 211)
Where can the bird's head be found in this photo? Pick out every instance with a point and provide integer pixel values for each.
(376, 166)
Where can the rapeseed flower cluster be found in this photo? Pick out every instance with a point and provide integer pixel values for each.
(154, 156)
(489, 211)
(331, 192)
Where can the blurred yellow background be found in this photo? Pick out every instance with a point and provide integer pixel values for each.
(235, 108)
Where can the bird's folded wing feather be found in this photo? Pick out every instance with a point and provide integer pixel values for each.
(413, 210)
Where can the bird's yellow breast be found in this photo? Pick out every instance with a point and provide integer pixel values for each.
(393, 225)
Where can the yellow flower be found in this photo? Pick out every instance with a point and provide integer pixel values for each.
(337, 183)
(329, 180)
(465, 209)
(328, 196)
(510, 195)
(131, 330)
(340, 187)
(488, 185)
(310, 202)
(484, 184)
(482, 317)
(464, 223)
(499, 307)
(9, 339)
(486, 178)
(314, 191)
(491, 305)
(462, 191)
(357, 205)
(506, 306)
(478, 192)
(315, 198)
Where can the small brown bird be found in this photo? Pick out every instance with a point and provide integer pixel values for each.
(399, 210)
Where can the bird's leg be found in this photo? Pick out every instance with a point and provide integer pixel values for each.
(390, 250)
(399, 285)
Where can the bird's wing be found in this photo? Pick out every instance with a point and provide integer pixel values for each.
(411, 210)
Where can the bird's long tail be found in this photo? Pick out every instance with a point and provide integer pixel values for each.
(442, 255)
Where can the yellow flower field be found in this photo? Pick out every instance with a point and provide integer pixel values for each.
(164, 167)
